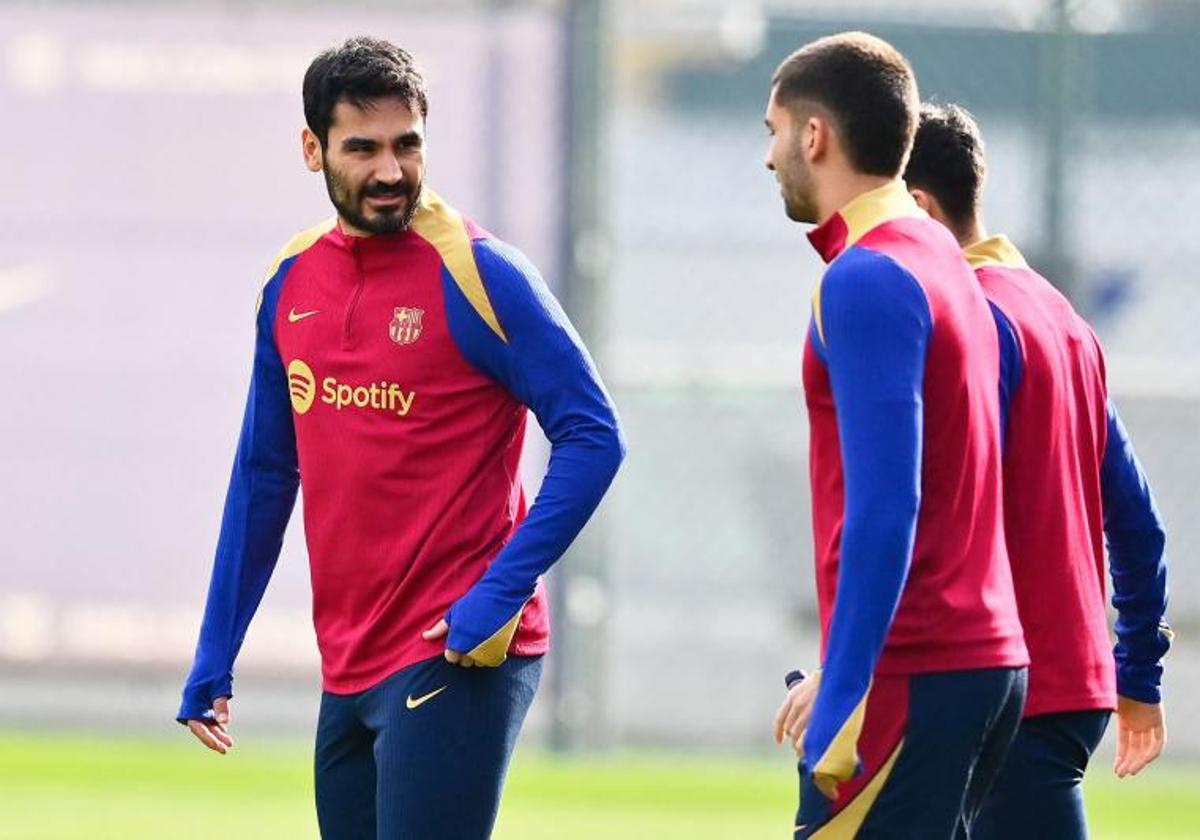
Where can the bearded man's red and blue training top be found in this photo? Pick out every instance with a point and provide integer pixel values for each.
(392, 377)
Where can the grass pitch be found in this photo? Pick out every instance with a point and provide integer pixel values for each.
(63, 786)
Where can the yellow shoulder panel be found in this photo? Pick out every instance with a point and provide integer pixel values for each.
(300, 242)
(442, 226)
(494, 650)
(873, 208)
(816, 307)
(995, 250)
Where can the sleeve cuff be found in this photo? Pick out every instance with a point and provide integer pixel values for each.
(198, 700)
(482, 626)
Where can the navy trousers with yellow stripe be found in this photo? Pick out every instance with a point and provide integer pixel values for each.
(931, 746)
(423, 754)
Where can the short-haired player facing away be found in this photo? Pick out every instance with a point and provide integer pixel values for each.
(1070, 479)
(922, 676)
(398, 349)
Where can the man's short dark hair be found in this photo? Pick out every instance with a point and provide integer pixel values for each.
(359, 71)
(947, 160)
(867, 87)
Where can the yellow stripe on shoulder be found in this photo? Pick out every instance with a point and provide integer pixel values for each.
(300, 242)
(816, 307)
(442, 226)
(494, 650)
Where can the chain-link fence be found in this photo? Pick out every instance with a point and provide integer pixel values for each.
(130, 249)
(1093, 136)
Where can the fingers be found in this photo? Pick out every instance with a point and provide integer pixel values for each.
(1157, 740)
(799, 715)
(798, 742)
(792, 718)
(460, 659)
(221, 734)
(437, 631)
(1120, 762)
(1145, 747)
(1134, 755)
(781, 717)
(221, 707)
(212, 736)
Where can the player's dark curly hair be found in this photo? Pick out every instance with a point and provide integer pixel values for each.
(359, 71)
(868, 89)
(947, 160)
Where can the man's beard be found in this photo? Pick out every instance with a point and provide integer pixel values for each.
(350, 203)
(798, 189)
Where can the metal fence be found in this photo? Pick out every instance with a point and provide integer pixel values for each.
(122, 301)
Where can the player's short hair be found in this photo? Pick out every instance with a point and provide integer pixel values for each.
(867, 87)
(947, 160)
(359, 71)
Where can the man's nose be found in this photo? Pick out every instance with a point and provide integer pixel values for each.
(389, 170)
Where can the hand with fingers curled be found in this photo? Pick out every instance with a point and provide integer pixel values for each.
(1141, 735)
(213, 730)
(454, 657)
(791, 720)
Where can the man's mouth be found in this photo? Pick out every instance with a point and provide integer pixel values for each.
(387, 201)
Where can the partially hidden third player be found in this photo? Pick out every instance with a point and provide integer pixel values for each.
(923, 665)
(398, 349)
(1070, 479)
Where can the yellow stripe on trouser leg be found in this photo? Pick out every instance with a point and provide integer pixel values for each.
(494, 650)
(845, 824)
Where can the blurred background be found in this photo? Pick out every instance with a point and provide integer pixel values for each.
(152, 170)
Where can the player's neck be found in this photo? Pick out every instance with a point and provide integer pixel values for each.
(351, 230)
(971, 232)
(844, 188)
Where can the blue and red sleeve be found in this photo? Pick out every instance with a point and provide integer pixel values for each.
(1012, 365)
(1136, 553)
(258, 505)
(543, 363)
(874, 326)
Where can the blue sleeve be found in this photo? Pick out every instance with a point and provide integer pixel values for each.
(875, 326)
(262, 493)
(1136, 544)
(542, 362)
(1012, 368)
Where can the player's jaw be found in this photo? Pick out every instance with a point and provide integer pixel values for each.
(785, 158)
(796, 188)
(373, 207)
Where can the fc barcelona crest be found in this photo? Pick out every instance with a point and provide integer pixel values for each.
(406, 325)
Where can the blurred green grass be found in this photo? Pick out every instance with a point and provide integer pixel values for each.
(63, 786)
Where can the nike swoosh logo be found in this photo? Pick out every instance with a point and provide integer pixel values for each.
(295, 316)
(412, 702)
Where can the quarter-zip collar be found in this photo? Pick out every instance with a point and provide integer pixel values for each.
(861, 215)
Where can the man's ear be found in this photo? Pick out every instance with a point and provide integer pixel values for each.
(817, 137)
(310, 147)
(925, 201)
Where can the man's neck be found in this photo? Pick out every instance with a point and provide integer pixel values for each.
(972, 232)
(843, 189)
(351, 230)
